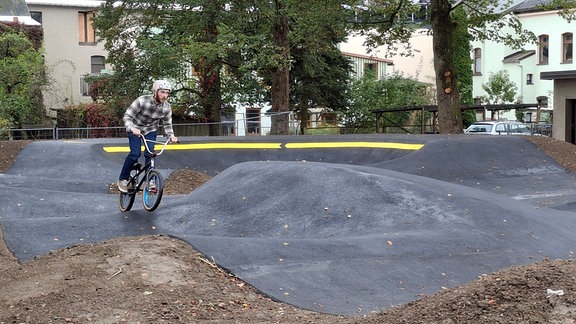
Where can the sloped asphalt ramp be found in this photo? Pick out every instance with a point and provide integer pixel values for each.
(327, 227)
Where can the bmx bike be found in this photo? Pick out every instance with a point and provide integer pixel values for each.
(145, 179)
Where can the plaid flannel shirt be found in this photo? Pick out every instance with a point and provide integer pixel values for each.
(144, 114)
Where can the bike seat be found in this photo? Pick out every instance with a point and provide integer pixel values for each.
(137, 166)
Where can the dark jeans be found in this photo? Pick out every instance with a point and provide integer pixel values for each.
(135, 151)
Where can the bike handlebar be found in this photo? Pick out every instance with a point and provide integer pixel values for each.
(164, 144)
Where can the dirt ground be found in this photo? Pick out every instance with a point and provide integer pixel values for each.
(159, 279)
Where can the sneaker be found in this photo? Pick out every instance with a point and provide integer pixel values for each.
(123, 185)
(151, 185)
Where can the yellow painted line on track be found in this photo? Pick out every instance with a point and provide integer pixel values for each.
(210, 146)
(201, 146)
(388, 145)
(307, 145)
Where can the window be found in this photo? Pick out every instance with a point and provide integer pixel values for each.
(477, 61)
(253, 121)
(36, 15)
(85, 29)
(227, 116)
(371, 67)
(500, 128)
(84, 87)
(329, 119)
(529, 78)
(567, 48)
(543, 49)
(97, 64)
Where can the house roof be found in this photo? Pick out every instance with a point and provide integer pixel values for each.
(373, 58)
(518, 56)
(25, 20)
(530, 6)
(557, 75)
(16, 11)
(66, 3)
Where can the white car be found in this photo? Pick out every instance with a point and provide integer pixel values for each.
(496, 127)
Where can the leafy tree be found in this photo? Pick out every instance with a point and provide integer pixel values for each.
(499, 88)
(369, 93)
(320, 73)
(165, 39)
(21, 77)
(281, 71)
(239, 49)
(291, 45)
(319, 80)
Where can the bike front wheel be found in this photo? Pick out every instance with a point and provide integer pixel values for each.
(126, 199)
(153, 188)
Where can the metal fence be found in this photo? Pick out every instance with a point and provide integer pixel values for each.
(201, 129)
(60, 133)
(541, 129)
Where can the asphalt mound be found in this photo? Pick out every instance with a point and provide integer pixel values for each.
(384, 240)
(348, 237)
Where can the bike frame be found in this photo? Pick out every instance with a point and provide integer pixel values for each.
(140, 180)
(151, 165)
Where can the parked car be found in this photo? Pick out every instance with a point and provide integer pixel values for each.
(499, 127)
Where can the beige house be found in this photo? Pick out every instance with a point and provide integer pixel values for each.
(418, 66)
(361, 64)
(70, 48)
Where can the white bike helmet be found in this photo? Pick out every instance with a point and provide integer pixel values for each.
(161, 84)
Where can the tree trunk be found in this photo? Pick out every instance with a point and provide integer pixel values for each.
(211, 90)
(447, 94)
(281, 76)
(304, 118)
(211, 84)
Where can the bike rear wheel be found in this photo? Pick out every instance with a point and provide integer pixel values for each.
(126, 199)
(151, 197)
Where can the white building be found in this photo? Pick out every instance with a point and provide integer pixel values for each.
(525, 67)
